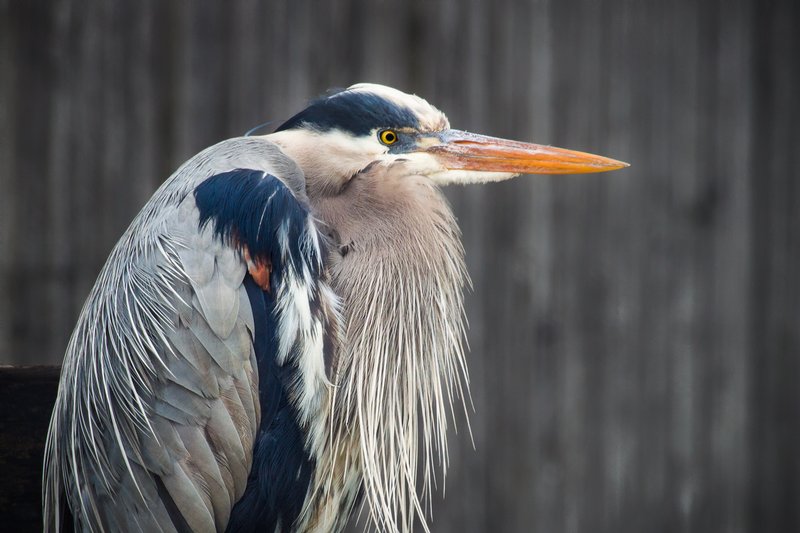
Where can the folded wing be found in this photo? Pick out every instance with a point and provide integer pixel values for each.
(178, 353)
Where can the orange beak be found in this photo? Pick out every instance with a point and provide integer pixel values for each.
(462, 150)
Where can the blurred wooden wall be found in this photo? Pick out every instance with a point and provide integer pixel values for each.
(635, 335)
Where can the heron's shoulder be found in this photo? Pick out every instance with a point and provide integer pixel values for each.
(252, 153)
(231, 157)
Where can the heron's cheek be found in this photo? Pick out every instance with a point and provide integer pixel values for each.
(419, 163)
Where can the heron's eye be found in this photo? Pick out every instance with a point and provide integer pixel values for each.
(388, 137)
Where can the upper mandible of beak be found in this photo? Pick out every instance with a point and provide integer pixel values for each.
(465, 151)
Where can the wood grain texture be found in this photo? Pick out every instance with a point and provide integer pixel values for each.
(635, 335)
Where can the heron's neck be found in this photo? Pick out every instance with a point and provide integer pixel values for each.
(400, 273)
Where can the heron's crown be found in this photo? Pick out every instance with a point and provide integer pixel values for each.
(365, 107)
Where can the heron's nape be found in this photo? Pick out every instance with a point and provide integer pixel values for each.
(278, 335)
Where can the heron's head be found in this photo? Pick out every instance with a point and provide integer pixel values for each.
(339, 135)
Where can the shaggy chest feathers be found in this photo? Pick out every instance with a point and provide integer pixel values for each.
(400, 278)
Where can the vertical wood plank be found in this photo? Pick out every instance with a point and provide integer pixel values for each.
(776, 295)
(8, 149)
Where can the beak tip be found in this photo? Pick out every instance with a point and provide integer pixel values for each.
(613, 164)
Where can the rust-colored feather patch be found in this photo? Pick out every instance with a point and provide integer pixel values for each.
(260, 270)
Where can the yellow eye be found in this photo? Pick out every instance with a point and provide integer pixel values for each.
(388, 137)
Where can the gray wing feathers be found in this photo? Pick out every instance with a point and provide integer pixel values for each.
(158, 407)
(137, 517)
(204, 410)
(214, 270)
(202, 407)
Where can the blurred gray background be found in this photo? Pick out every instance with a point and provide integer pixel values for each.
(635, 336)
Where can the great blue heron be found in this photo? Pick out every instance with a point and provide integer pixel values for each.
(279, 328)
